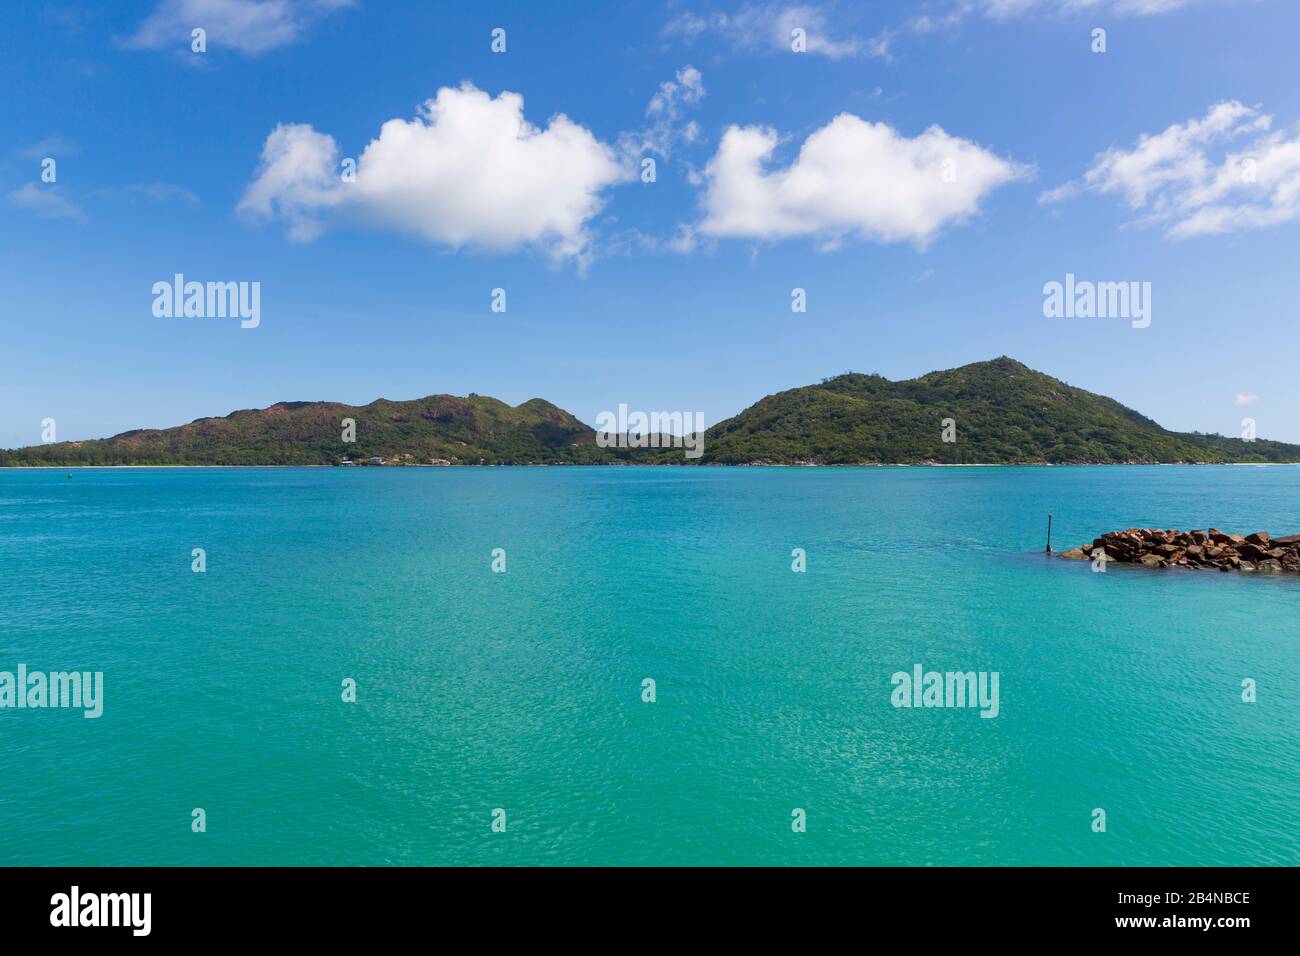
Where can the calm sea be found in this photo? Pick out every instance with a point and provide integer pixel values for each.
(523, 690)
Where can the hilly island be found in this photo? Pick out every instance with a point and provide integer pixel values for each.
(1002, 412)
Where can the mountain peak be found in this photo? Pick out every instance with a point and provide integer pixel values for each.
(997, 411)
(1005, 362)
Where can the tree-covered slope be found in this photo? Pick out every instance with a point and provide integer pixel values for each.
(459, 430)
(1003, 412)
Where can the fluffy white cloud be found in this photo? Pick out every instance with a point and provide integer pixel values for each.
(851, 179)
(468, 170)
(769, 27)
(46, 201)
(250, 26)
(1190, 177)
(298, 182)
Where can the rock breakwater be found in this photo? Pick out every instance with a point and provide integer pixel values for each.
(1214, 549)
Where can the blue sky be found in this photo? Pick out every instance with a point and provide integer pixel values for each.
(775, 170)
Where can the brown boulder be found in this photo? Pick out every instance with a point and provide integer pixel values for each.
(1160, 548)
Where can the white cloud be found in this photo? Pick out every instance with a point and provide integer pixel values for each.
(298, 182)
(682, 241)
(50, 146)
(46, 201)
(468, 171)
(250, 26)
(954, 13)
(1005, 9)
(768, 27)
(1223, 173)
(1059, 194)
(664, 113)
(1245, 398)
(852, 179)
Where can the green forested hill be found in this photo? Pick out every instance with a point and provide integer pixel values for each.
(1004, 412)
(459, 430)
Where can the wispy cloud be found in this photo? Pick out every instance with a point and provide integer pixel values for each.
(249, 26)
(45, 201)
(1003, 9)
(664, 116)
(770, 27)
(1188, 178)
(157, 192)
(57, 146)
(950, 14)
(1245, 398)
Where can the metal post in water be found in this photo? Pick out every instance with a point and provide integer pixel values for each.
(1049, 533)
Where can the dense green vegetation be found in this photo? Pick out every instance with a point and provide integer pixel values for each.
(469, 430)
(1003, 412)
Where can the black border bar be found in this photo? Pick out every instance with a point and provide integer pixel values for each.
(334, 904)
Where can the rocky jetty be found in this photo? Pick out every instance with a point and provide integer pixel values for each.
(1158, 548)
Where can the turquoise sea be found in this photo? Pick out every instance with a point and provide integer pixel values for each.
(523, 690)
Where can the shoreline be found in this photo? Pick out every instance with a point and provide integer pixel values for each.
(1020, 464)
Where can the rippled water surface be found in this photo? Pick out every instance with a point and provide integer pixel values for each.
(523, 690)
